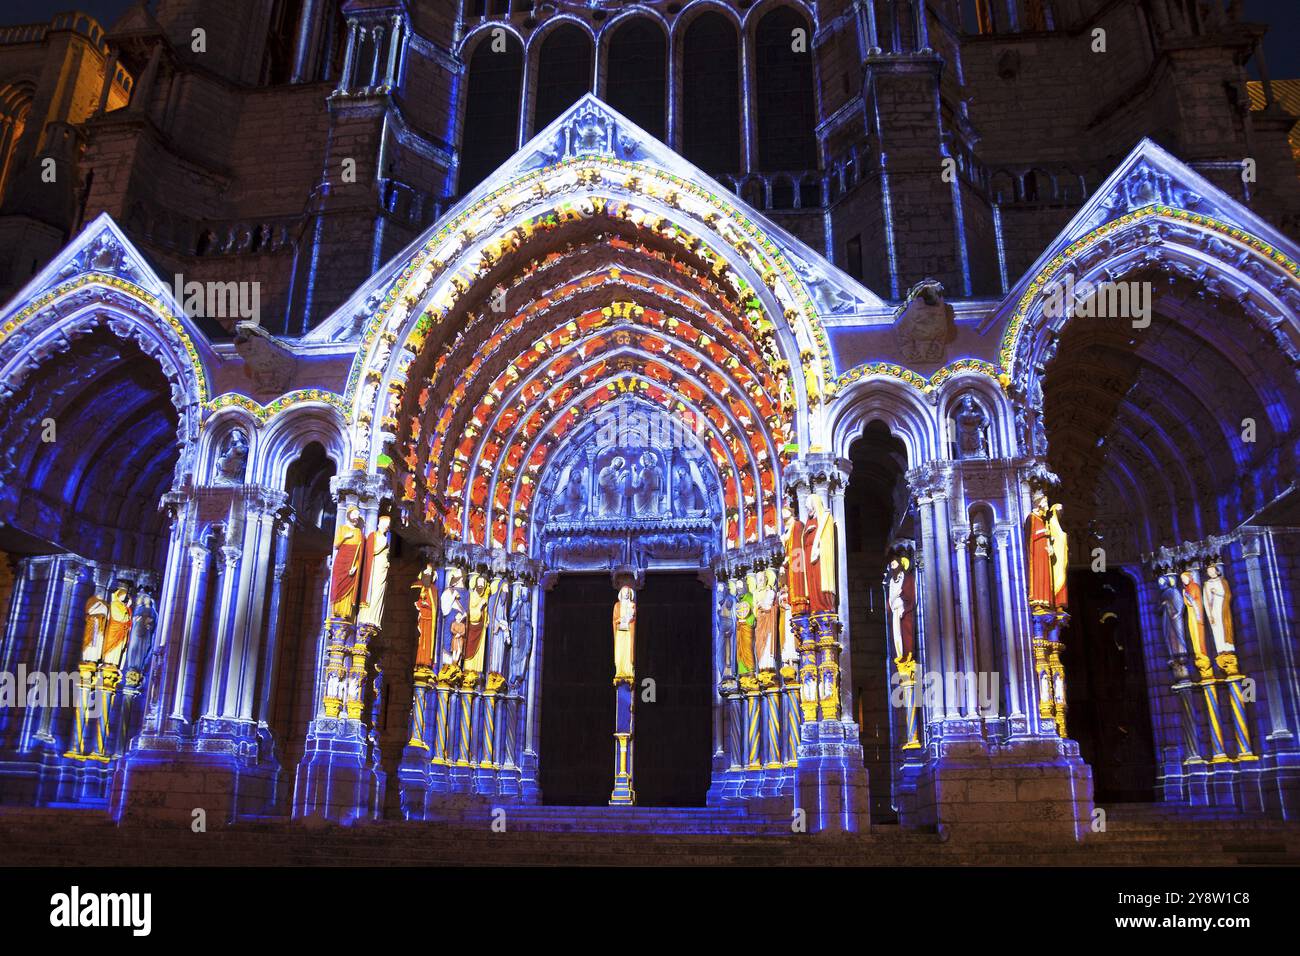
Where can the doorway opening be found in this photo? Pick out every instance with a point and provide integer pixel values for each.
(876, 514)
(672, 732)
(1106, 687)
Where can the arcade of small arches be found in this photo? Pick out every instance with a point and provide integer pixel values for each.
(639, 62)
(1074, 566)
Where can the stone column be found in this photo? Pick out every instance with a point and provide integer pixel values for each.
(305, 42)
(968, 669)
(1272, 651)
(195, 615)
(985, 654)
(349, 58)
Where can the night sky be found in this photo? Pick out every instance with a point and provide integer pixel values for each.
(1281, 47)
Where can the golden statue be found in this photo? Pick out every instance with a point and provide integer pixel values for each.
(625, 635)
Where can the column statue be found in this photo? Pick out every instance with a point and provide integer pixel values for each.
(624, 621)
(349, 546)
(426, 611)
(118, 632)
(1217, 598)
(820, 561)
(1047, 553)
(476, 631)
(766, 619)
(745, 621)
(374, 574)
(902, 609)
(796, 575)
(453, 618)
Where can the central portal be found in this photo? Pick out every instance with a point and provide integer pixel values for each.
(673, 730)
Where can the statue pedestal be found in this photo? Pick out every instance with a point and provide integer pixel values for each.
(831, 784)
(1037, 788)
(335, 779)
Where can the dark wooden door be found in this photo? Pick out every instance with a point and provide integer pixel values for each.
(674, 734)
(576, 757)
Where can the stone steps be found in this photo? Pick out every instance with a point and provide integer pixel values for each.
(35, 837)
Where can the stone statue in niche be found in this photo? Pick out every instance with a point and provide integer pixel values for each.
(972, 424)
(233, 459)
(612, 482)
(573, 493)
(647, 481)
(685, 495)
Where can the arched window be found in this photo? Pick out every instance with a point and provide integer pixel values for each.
(635, 84)
(563, 73)
(787, 112)
(492, 108)
(710, 94)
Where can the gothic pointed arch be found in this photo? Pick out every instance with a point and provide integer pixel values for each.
(577, 259)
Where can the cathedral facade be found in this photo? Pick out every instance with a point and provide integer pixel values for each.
(720, 413)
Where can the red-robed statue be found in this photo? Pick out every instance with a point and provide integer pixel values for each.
(820, 561)
(426, 609)
(345, 574)
(1047, 555)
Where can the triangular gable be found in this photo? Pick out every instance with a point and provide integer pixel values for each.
(102, 248)
(592, 127)
(1148, 175)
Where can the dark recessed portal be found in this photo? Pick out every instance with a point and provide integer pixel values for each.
(1106, 687)
(673, 735)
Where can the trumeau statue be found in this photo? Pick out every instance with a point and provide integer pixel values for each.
(902, 608)
(624, 623)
